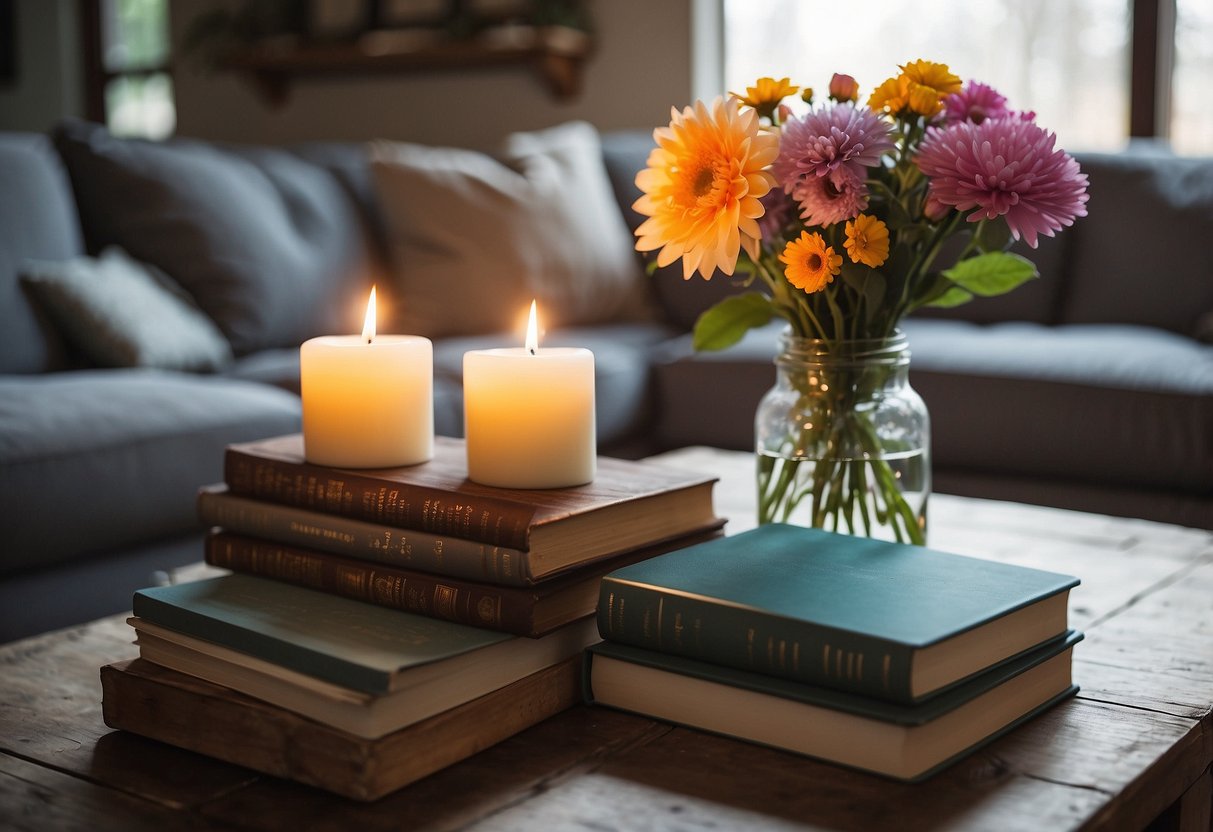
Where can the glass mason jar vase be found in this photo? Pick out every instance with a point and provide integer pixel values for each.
(843, 441)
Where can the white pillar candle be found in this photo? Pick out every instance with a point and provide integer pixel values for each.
(368, 401)
(529, 415)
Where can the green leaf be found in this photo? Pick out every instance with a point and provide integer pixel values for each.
(993, 235)
(725, 323)
(953, 297)
(991, 274)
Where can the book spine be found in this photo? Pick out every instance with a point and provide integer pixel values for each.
(494, 608)
(749, 639)
(484, 519)
(390, 545)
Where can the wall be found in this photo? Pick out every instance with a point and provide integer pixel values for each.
(48, 84)
(642, 66)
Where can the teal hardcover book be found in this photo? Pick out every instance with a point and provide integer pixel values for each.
(888, 620)
(348, 643)
(905, 742)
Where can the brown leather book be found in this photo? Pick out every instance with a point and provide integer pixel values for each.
(527, 611)
(187, 712)
(628, 505)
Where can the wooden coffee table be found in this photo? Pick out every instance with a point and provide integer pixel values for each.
(1133, 748)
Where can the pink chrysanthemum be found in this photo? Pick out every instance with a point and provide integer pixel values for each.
(1005, 168)
(825, 200)
(826, 140)
(976, 103)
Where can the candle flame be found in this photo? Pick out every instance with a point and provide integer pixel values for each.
(368, 324)
(532, 332)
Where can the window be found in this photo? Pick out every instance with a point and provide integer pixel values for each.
(1191, 115)
(129, 85)
(1067, 60)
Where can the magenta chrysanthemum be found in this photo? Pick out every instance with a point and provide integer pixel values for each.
(822, 157)
(825, 140)
(976, 103)
(825, 200)
(1005, 168)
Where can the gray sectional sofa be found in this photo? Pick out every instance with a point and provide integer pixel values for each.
(1091, 388)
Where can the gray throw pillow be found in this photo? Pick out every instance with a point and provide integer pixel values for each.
(268, 244)
(121, 313)
(474, 238)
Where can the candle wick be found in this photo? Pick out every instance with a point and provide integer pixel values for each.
(532, 350)
(368, 340)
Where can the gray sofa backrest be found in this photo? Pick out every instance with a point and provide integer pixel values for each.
(38, 221)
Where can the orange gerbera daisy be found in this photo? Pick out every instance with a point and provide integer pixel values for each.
(702, 187)
(867, 241)
(766, 94)
(811, 264)
(920, 88)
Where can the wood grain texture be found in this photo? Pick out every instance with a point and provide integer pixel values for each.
(1135, 744)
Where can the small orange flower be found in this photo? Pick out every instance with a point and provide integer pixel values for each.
(867, 241)
(766, 94)
(811, 264)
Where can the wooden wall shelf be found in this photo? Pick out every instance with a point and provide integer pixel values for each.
(556, 53)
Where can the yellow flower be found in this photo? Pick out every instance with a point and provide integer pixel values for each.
(702, 187)
(766, 94)
(811, 264)
(867, 240)
(920, 88)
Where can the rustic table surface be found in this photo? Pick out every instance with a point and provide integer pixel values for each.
(1133, 748)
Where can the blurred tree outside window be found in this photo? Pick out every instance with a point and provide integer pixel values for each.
(130, 80)
(1067, 60)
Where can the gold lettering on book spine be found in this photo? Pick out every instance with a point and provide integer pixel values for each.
(796, 656)
(445, 598)
(884, 671)
(859, 668)
(850, 665)
(660, 620)
(825, 660)
(749, 645)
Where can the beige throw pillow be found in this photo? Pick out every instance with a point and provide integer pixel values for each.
(475, 238)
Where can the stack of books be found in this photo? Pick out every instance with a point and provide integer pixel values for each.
(884, 657)
(398, 619)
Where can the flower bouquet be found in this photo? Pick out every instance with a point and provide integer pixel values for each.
(843, 219)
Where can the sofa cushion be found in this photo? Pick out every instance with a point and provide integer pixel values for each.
(709, 398)
(474, 239)
(268, 244)
(117, 455)
(38, 220)
(1142, 255)
(122, 313)
(621, 369)
(1119, 405)
(1112, 404)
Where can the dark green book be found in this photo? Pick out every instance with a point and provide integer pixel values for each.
(905, 742)
(888, 620)
(358, 646)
